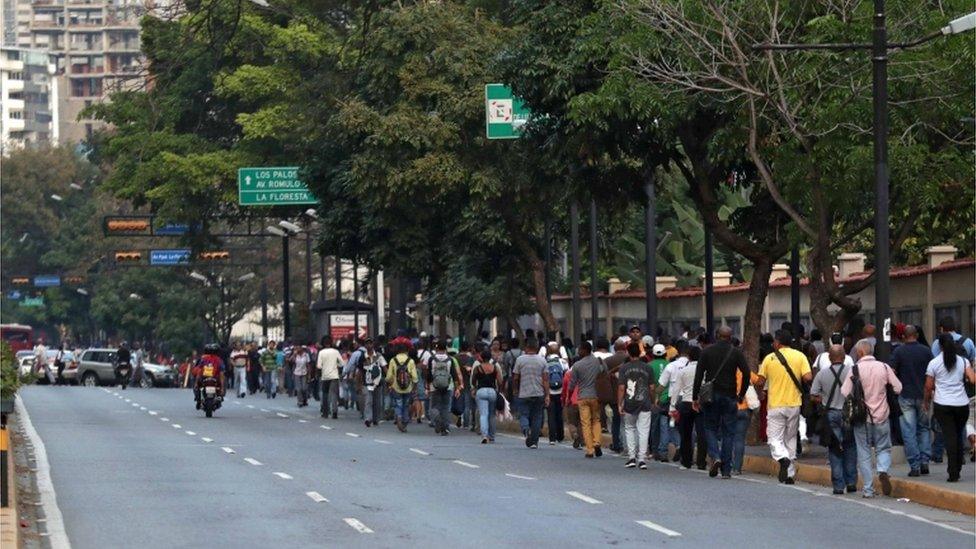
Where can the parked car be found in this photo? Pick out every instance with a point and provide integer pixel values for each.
(96, 367)
(157, 375)
(25, 363)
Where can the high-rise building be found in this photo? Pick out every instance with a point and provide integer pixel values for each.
(97, 47)
(28, 98)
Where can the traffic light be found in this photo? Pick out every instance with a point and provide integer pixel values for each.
(74, 280)
(218, 255)
(128, 257)
(20, 280)
(123, 226)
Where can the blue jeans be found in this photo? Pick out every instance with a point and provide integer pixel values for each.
(666, 433)
(270, 380)
(616, 437)
(535, 411)
(843, 465)
(523, 415)
(742, 420)
(467, 418)
(486, 410)
(401, 404)
(556, 428)
(720, 420)
(915, 431)
(877, 435)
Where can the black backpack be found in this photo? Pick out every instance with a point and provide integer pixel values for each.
(855, 409)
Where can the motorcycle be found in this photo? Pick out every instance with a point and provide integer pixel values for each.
(210, 396)
(123, 374)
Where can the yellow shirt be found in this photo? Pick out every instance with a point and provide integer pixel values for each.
(671, 353)
(782, 392)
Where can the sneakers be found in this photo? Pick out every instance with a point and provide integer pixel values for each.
(642, 466)
(851, 488)
(335, 415)
(789, 480)
(885, 483)
(484, 440)
(838, 492)
(367, 423)
(713, 471)
(727, 477)
(924, 469)
(552, 443)
(598, 452)
(534, 446)
(784, 469)
(528, 443)
(631, 463)
(915, 473)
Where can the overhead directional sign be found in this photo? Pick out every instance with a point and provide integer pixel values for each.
(32, 302)
(505, 114)
(169, 257)
(47, 281)
(277, 186)
(172, 229)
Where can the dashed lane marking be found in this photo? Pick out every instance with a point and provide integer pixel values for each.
(353, 435)
(228, 450)
(143, 408)
(519, 477)
(279, 414)
(285, 476)
(358, 526)
(177, 426)
(191, 433)
(153, 412)
(316, 497)
(264, 410)
(250, 406)
(381, 441)
(466, 464)
(326, 427)
(419, 451)
(657, 527)
(583, 497)
(253, 461)
(205, 439)
(303, 421)
(164, 419)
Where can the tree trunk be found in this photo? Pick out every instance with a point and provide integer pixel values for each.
(752, 321)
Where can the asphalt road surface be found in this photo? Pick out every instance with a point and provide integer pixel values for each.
(144, 468)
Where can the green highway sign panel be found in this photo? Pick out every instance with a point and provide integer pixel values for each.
(33, 302)
(278, 186)
(505, 114)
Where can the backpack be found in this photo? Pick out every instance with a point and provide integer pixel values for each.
(961, 351)
(855, 409)
(554, 369)
(635, 382)
(402, 373)
(440, 372)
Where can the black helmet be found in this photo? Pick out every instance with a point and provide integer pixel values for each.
(211, 348)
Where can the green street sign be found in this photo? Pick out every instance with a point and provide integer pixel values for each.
(272, 187)
(505, 114)
(32, 302)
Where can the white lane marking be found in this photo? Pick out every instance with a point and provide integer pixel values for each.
(164, 419)
(205, 439)
(228, 450)
(253, 461)
(381, 441)
(152, 412)
(657, 527)
(419, 451)
(250, 406)
(128, 400)
(353, 435)
(177, 426)
(285, 476)
(909, 515)
(466, 464)
(263, 410)
(191, 433)
(45, 488)
(279, 414)
(303, 421)
(143, 408)
(583, 497)
(316, 497)
(747, 479)
(135, 404)
(326, 427)
(519, 476)
(359, 526)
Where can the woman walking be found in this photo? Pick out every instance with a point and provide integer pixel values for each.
(945, 379)
(486, 379)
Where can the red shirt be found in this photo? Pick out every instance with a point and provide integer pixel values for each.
(211, 360)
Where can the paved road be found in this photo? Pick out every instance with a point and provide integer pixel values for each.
(143, 465)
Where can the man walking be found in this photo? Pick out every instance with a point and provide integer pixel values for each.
(784, 370)
(238, 357)
(584, 376)
(443, 373)
(717, 367)
(269, 369)
(556, 366)
(909, 361)
(329, 363)
(635, 400)
(532, 389)
(841, 449)
(402, 379)
(874, 376)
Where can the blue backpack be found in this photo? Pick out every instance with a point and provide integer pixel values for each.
(555, 371)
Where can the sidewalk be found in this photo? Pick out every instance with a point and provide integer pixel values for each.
(931, 490)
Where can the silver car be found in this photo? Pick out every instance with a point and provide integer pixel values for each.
(96, 367)
(157, 375)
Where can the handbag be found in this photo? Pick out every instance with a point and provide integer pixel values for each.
(806, 406)
(752, 398)
(707, 389)
(604, 388)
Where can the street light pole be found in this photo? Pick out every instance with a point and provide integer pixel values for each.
(879, 54)
(650, 256)
(574, 252)
(709, 284)
(594, 303)
(286, 286)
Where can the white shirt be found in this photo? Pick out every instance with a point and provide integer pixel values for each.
(949, 387)
(669, 376)
(683, 388)
(823, 361)
(40, 351)
(301, 364)
(329, 363)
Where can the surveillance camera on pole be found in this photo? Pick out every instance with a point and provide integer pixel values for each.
(962, 24)
(289, 226)
(276, 231)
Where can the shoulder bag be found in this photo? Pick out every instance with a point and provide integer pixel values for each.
(806, 407)
(707, 390)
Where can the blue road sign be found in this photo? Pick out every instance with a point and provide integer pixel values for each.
(47, 281)
(169, 257)
(14, 295)
(173, 229)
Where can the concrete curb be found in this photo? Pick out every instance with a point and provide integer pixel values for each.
(9, 523)
(917, 492)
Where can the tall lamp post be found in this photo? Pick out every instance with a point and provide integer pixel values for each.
(879, 57)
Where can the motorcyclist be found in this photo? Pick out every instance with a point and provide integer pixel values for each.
(211, 357)
(123, 357)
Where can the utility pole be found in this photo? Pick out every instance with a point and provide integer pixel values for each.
(310, 323)
(264, 310)
(574, 251)
(650, 256)
(594, 302)
(286, 283)
(795, 292)
(879, 56)
(709, 285)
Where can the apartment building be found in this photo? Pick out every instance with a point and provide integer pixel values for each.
(28, 98)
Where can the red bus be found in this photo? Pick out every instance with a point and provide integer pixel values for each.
(18, 336)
